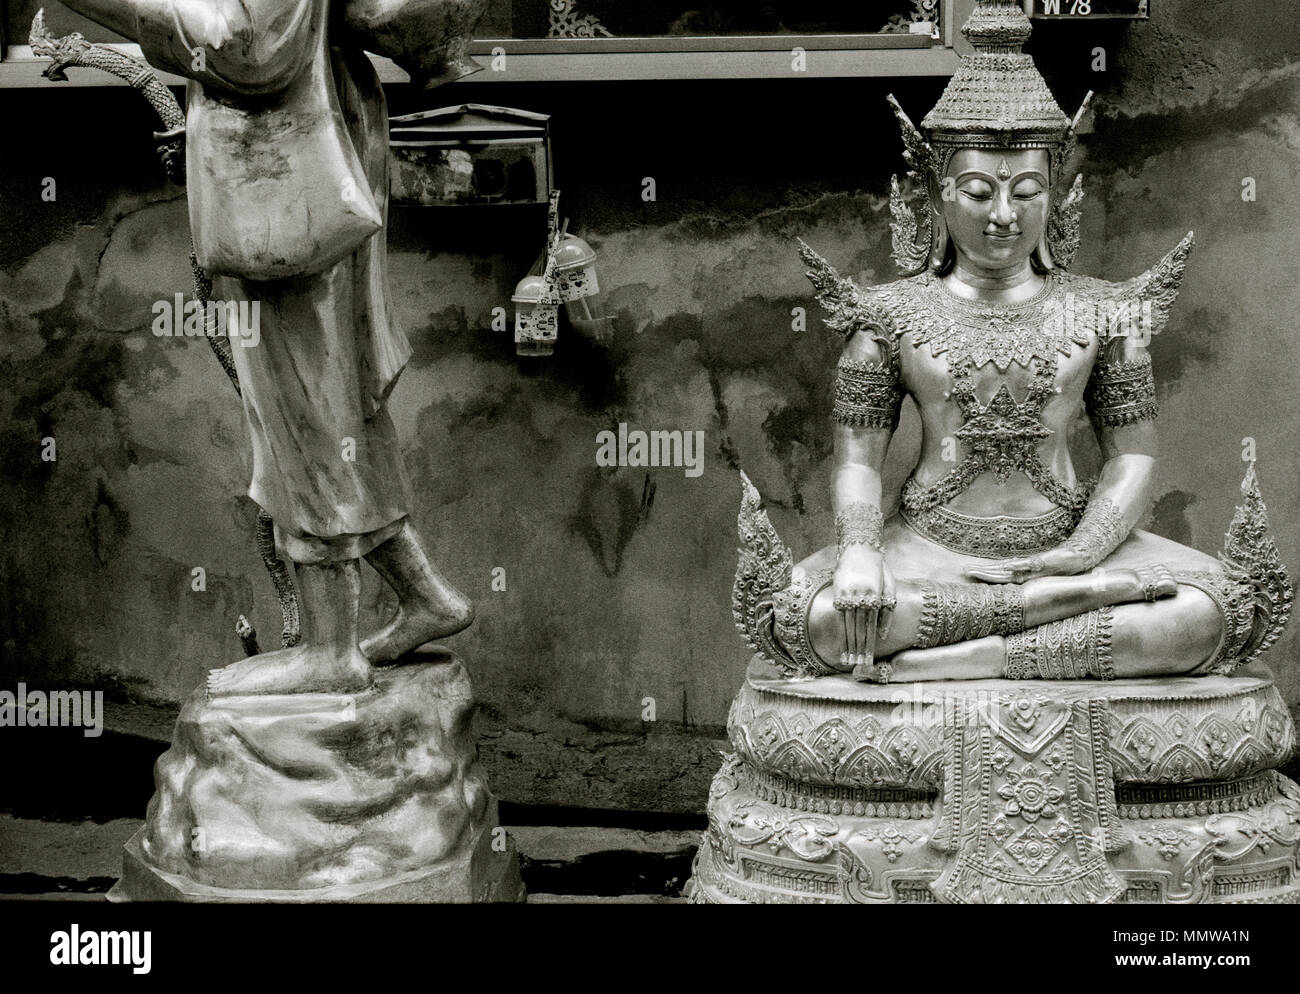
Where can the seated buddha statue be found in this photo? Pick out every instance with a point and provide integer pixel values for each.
(1070, 718)
(1000, 562)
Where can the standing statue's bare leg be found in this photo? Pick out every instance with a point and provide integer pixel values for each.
(428, 606)
(327, 661)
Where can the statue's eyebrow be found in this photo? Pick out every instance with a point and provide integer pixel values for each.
(981, 174)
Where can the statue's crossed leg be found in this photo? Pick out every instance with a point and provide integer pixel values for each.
(1112, 623)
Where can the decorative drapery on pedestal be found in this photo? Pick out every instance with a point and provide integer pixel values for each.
(1029, 802)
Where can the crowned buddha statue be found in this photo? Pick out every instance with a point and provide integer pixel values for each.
(889, 742)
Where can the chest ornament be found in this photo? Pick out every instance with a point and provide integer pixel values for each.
(1003, 434)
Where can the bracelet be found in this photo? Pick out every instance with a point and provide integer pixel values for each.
(860, 524)
(1100, 531)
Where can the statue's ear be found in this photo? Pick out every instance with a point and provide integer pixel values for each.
(935, 185)
(1042, 255)
(1063, 224)
(940, 240)
(940, 244)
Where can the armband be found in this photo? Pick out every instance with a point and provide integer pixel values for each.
(868, 394)
(1121, 393)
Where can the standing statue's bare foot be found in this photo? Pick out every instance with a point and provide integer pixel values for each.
(304, 669)
(428, 606)
(415, 624)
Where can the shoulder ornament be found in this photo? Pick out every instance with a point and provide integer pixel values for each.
(850, 308)
(1134, 309)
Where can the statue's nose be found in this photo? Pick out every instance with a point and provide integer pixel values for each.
(1002, 213)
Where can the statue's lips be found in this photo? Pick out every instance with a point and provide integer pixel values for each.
(1011, 237)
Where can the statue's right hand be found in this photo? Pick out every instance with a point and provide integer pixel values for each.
(865, 597)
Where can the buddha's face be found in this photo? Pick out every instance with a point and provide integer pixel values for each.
(995, 204)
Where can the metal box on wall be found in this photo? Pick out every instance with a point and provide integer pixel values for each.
(470, 154)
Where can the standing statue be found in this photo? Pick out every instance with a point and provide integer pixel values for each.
(317, 772)
(1000, 565)
(287, 162)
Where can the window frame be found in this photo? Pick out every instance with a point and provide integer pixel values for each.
(535, 60)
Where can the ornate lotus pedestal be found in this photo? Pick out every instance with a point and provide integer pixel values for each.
(1137, 791)
(377, 797)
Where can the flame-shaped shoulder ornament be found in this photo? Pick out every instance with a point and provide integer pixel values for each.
(1125, 315)
(1158, 287)
(849, 307)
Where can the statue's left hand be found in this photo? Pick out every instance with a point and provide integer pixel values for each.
(1055, 562)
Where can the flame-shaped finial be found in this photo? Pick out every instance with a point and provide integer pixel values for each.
(1250, 550)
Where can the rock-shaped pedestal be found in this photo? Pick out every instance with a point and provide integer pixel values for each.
(1129, 791)
(378, 796)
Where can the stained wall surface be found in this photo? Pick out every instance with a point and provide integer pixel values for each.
(617, 580)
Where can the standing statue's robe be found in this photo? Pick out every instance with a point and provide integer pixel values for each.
(287, 163)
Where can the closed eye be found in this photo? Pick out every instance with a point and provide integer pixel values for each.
(977, 189)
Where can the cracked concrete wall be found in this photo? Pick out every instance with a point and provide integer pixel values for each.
(617, 580)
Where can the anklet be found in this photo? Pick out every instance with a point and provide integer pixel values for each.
(1022, 650)
(1076, 648)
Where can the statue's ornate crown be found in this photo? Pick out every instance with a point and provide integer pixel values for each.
(997, 99)
(997, 96)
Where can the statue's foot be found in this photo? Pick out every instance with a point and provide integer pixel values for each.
(303, 669)
(977, 659)
(413, 625)
(1149, 583)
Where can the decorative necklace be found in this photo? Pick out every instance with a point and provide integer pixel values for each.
(980, 332)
